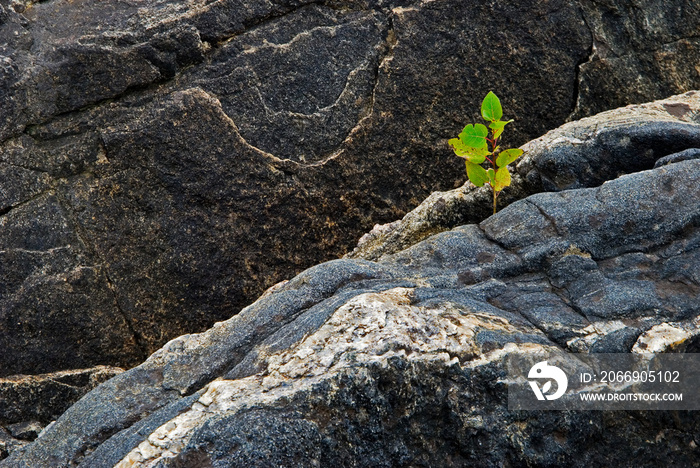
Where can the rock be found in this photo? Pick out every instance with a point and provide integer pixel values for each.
(401, 361)
(42, 398)
(28, 403)
(162, 164)
(653, 40)
(28, 430)
(588, 152)
(579, 154)
(692, 153)
(9, 443)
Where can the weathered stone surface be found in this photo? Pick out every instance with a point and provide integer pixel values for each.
(9, 443)
(652, 51)
(28, 403)
(400, 362)
(163, 163)
(28, 430)
(579, 154)
(43, 398)
(685, 155)
(58, 310)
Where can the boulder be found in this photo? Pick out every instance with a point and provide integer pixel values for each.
(42, 398)
(401, 361)
(28, 403)
(163, 163)
(579, 154)
(653, 40)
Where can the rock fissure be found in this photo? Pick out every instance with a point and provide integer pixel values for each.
(391, 42)
(287, 164)
(306, 34)
(27, 168)
(550, 219)
(50, 251)
(588, 59)
(138, 338)
(250, 25)
(494, 240)
(9, 209)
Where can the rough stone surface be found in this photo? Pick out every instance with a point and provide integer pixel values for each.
(685, 155)
(400, 362)
(162, 163)
(8, 443)
(44, 397)
(28, 403)
(584, 153)
(654, 51)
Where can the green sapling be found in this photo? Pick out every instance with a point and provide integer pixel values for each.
(478, 145)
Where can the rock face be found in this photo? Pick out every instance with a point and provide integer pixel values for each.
(28, 403)
(399, 362)
(654, 40)
(162, 163)
(580, 154)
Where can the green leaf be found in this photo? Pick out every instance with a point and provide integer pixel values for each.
(459, 148)
(477, 174)
(478, 156)
(502, 179)
(497, 127)
(491, 174)
(508, 156)
(474, 136)
(491, 108)
(475, 155)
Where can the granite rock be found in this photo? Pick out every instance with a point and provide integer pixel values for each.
(579, 154)
(401, 361)
(29, 403)
(164, 163)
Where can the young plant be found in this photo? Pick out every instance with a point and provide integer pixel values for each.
(478, 145)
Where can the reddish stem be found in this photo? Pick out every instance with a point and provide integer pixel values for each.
(494, 144)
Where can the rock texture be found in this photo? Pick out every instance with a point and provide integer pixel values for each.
(162, 163)
(580, 154)
(28, 403)
(659, 41)
(400, 362)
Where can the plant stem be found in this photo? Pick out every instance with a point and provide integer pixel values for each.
(493, 163)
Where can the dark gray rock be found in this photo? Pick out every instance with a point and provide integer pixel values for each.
(401, 361)
(163, 164)
(28, 430)
(579, 154)
(57, 311)
(28, 403)
(609, 152)
(639, 48)
(9, 443)
(685, 155)
(42, 398)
